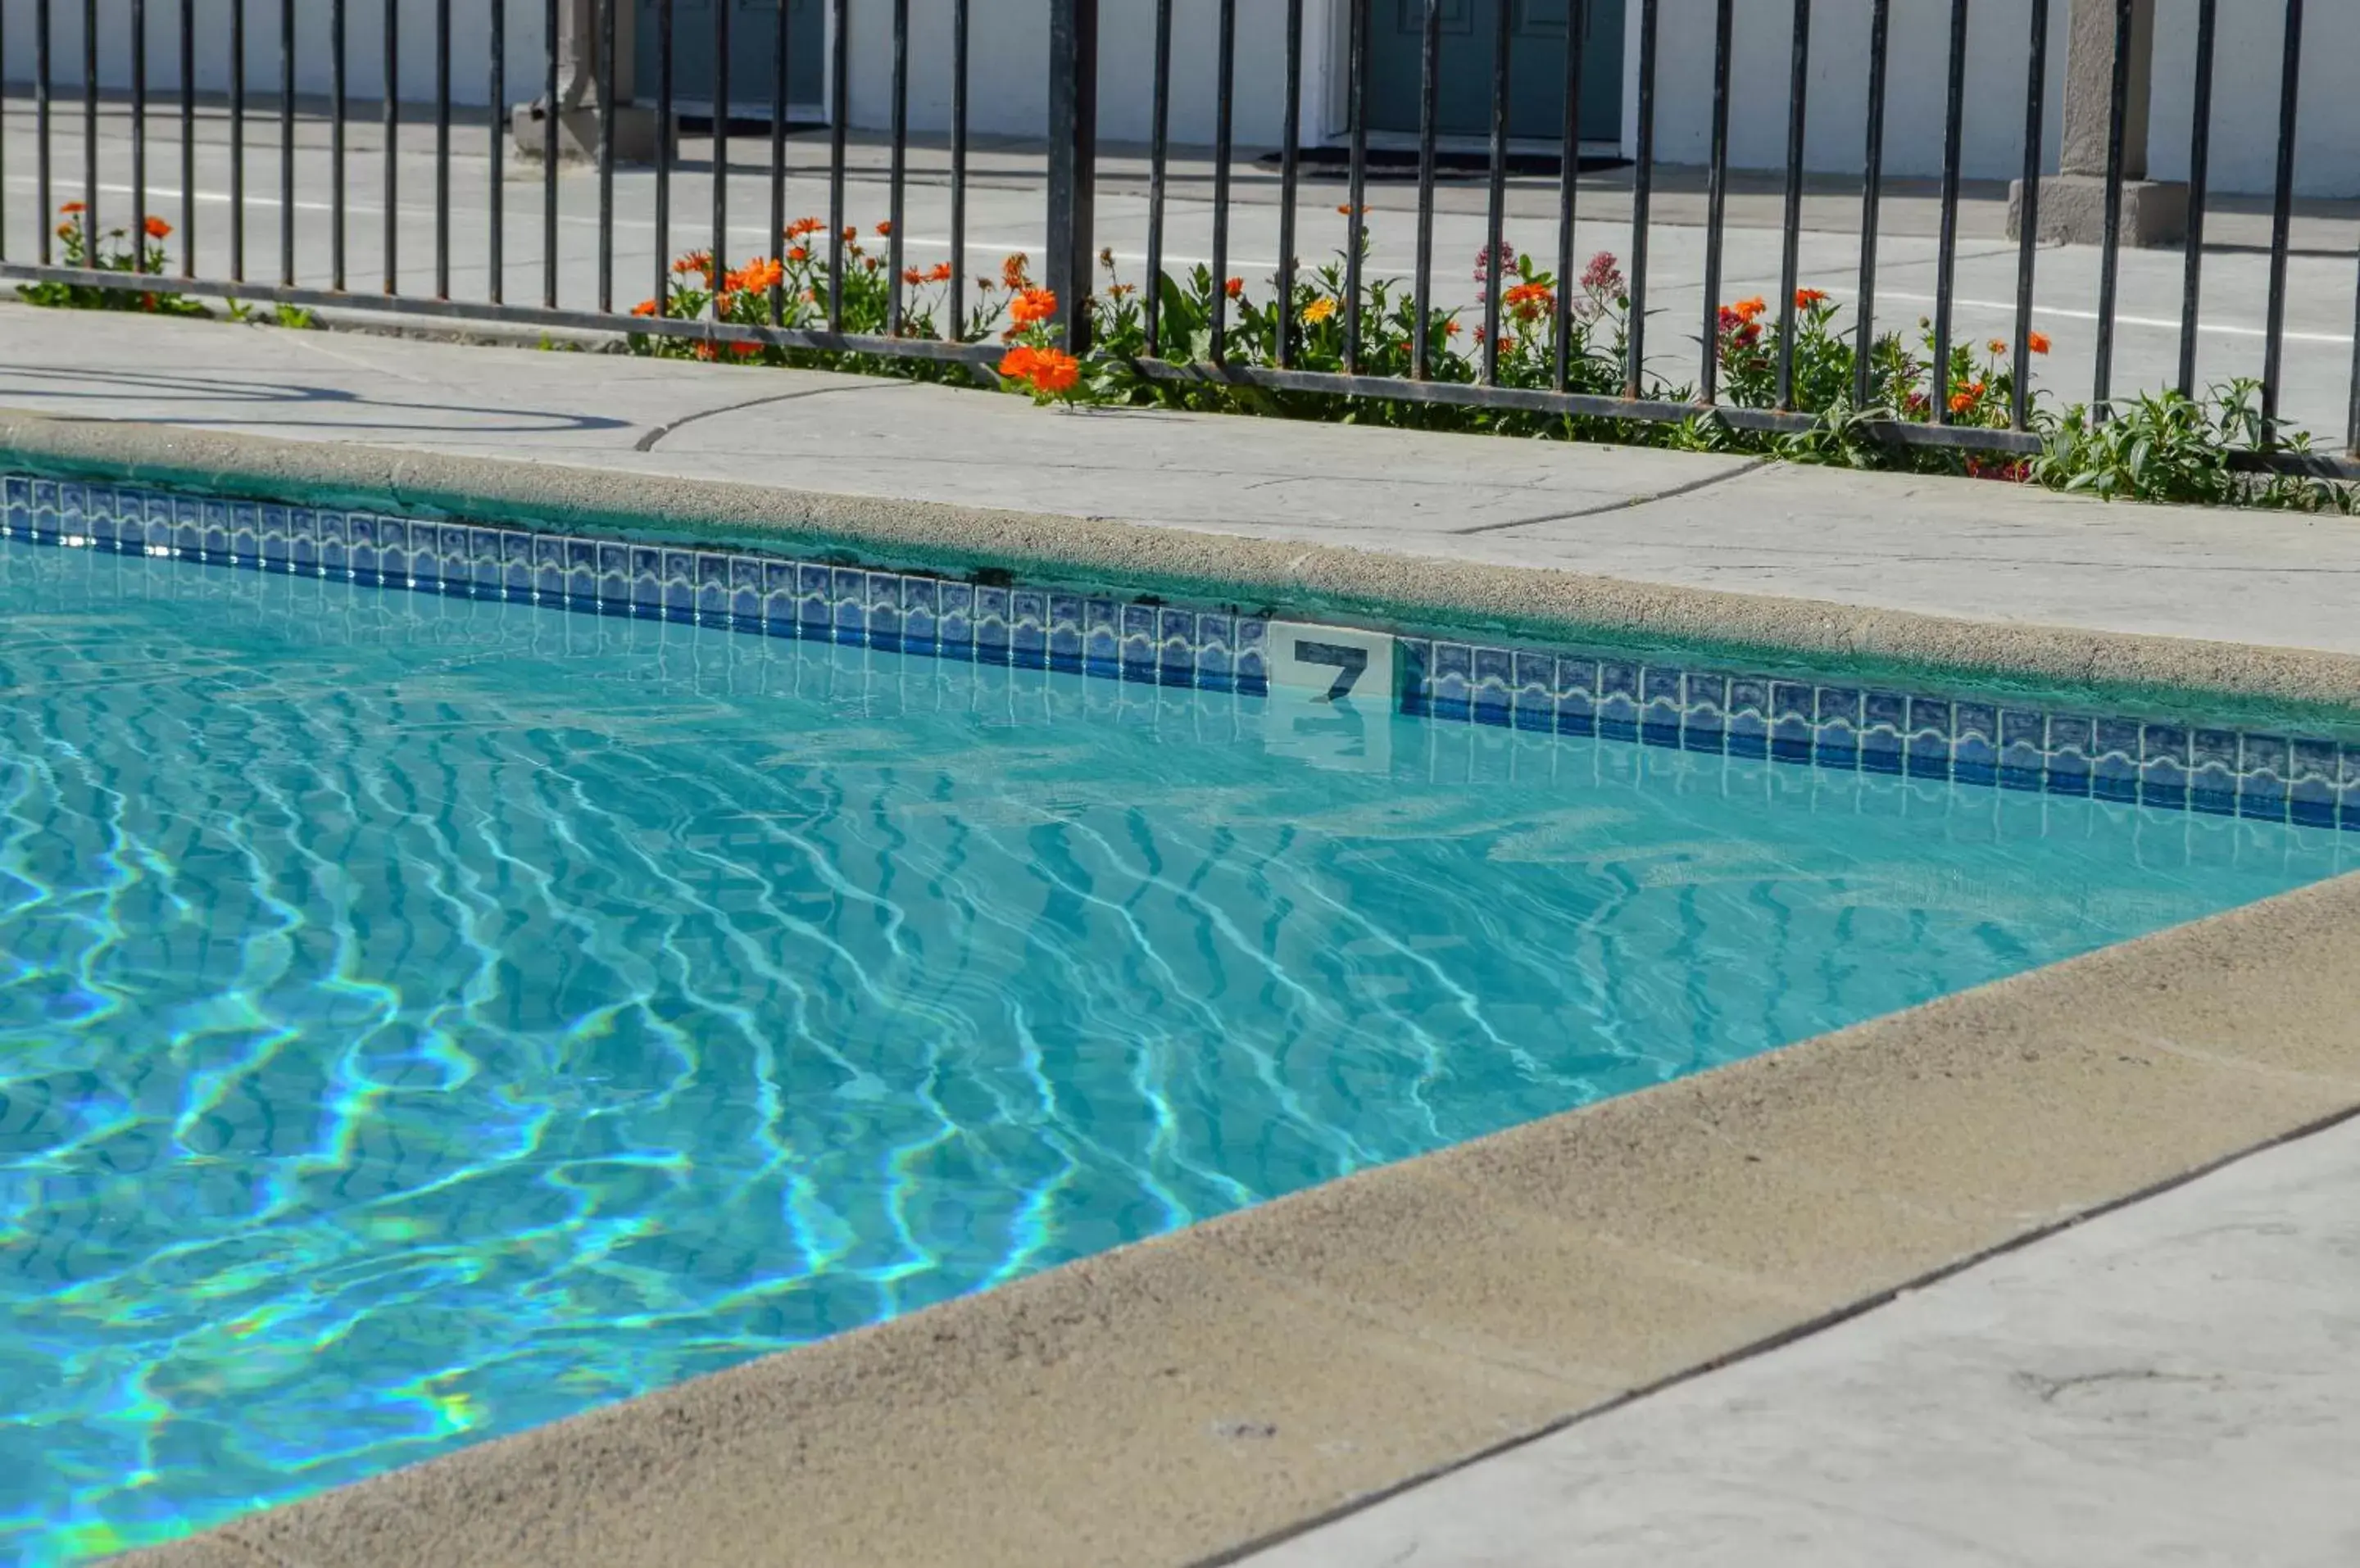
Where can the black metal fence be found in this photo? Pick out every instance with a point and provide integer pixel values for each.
(1069, 180)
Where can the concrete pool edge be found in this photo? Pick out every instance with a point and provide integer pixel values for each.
(1185, 1400)
(2231, 680)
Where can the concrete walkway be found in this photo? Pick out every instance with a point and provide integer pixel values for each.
(2169, 1383)
(1935, 545)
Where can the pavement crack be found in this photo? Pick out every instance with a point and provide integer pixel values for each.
(1628, 502)
(649, 442)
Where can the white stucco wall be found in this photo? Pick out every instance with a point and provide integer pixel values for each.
(1009, 84)
(2246, 91)
(364, 47)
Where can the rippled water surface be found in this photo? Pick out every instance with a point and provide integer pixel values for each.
(421, 1019)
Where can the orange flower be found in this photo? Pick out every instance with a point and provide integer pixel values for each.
(1530, 301)
(756, 276)
(704, 351)
(1318, 311)
(745, 350)
(1966, 396)
(1016, 272)
(913, 275)
(1045, 369)
(157, 229)
(694, 261)
(2037, 342)
(1996, 345)
(1054, 372)
(1747, 310)
(1351, 212)
(1450, 327)
(803, 227)
(1032, 305)
(70, 208)
(644, 307)
(941, 273)
(873, 263)
(1807, 297)
(886, 228)
(1235, 288)
(65, 231)
(799, 254)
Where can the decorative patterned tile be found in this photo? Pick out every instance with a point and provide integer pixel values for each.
(2155, 764)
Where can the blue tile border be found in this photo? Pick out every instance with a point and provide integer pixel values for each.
(1987, 742)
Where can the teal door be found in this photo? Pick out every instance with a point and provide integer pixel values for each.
(753, 34)
(1536, 44)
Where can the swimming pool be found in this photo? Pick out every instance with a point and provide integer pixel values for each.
(425, 1015)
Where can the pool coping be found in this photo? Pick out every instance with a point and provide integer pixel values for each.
(2274, 685)
(1184, 1399)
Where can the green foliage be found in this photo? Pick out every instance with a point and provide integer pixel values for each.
(2168, 448)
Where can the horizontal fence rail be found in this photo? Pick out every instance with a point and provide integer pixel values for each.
(733, 95)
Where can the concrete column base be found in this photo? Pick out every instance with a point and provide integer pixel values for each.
(2073, 209)
(577, 134)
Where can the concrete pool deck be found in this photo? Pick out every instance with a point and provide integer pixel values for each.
(1189, 1398)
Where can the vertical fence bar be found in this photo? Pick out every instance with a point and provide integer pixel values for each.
(2199, 173)
(41, 220)
(443, 149)
(1716, 215)
(956, 327)
(1568, 185)
(1496, 211)
(338, 90)
(1290, 177)
(2110, 259)
(1946, 266)
(1642, 191)
(188, 139)
(1159, 152)
(1880, 34)
(140, 131)
(1225, 85)
(2282, 218)
(287, 144)
(662, 293)
(608, 109)
(1790, 271)
(90, 124)
(898, 179)
(549, 88)
(1356, 226)
(721, 149)
(1429, 93)
(237, 139)
(45, 219)
(778, 241)
(496, 237)
(389, 224)
(840, 110)
(1073, 162)
(2035, 86)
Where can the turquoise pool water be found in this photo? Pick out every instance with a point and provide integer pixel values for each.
(423, 1018)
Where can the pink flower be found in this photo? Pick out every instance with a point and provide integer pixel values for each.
(1483, 261)
(1605, 274)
